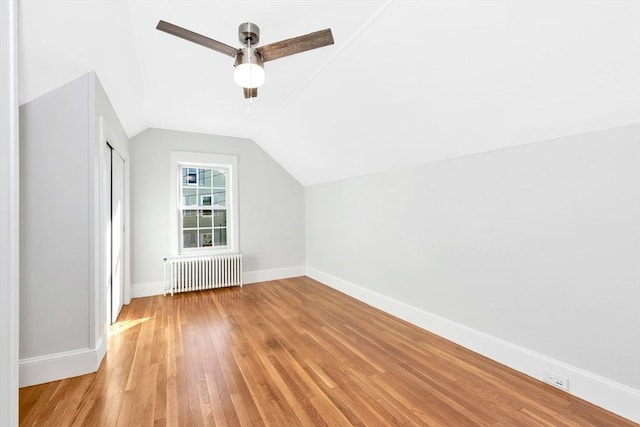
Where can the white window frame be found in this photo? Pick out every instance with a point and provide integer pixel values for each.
(208, 160)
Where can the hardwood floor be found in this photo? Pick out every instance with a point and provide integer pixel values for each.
(292, 352)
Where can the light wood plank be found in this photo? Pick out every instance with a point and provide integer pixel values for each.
(292, 352)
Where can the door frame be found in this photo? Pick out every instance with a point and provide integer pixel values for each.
(101, 316)
(9, 213)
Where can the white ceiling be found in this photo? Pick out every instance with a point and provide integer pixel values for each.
(407, 82)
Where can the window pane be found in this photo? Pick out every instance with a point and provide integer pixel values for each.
(204, 177)
(204, 197)
(220, 237)
(206, 239)
(203, 203)
(189, 196)
(219, 197)
(188, 176)
(189, 219)
(190, 239)
(219, 178)
(219, 218)
(204, 220)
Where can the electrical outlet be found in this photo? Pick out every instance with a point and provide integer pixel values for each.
(556, 380)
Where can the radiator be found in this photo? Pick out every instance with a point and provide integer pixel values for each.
(183, 274)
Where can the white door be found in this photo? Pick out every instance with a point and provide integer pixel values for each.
(117, 235)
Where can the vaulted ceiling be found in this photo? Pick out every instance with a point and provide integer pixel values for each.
(407, 82)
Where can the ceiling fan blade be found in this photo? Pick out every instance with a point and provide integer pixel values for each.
(250, 92)
(196, 38)
(296, 45)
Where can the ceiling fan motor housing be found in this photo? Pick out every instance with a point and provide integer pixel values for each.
(248, 56)
(248, 32)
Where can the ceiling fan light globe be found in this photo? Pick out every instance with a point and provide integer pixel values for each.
(249, 75)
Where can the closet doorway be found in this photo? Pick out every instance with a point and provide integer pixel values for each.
(115, 233)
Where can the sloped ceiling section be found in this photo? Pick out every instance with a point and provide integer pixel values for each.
(407, 82)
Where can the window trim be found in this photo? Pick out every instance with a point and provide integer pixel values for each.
(212, 160)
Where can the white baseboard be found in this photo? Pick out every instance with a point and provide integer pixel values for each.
(157, 288)
(57, 366)
(272, 274)
(141, 290)
(615, 397)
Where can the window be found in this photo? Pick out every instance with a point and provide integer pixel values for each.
(204, 208)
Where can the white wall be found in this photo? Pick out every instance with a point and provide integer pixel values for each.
(54, 226)
(9, 210)
(271, 205)
(62, 287)
(536, 246)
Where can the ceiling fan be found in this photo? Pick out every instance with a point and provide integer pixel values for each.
(249, 60)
